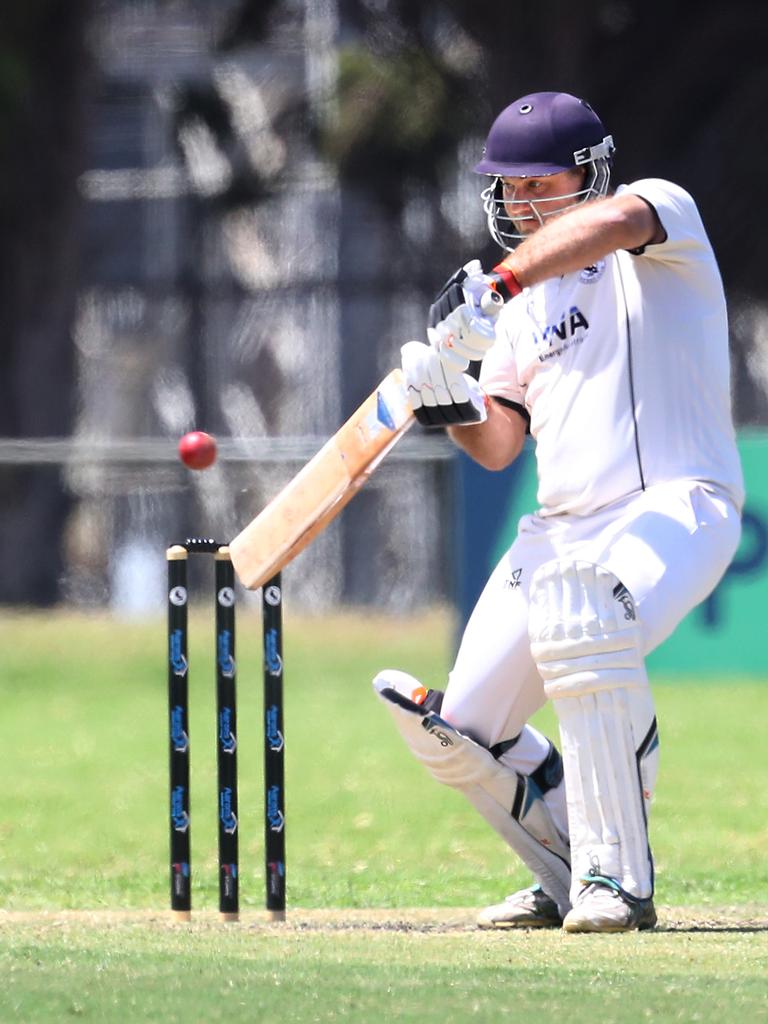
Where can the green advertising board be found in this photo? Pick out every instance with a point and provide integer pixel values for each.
(723, 635)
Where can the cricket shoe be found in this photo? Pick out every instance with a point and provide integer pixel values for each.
(603, 906)
(529, 908)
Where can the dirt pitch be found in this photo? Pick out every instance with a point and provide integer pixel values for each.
(424, 920)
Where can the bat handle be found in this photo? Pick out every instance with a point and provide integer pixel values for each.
(491, 303)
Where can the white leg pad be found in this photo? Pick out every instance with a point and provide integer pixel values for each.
(491, 787)
(585, 640)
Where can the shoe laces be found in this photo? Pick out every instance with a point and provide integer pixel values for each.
(606, 882)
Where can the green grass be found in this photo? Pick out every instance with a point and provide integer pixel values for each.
(83, 758)
(206, 973)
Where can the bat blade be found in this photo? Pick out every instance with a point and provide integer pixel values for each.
(321, 489)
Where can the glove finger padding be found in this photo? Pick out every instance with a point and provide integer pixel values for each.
(439, 397)
(465, 335)
(452, 359)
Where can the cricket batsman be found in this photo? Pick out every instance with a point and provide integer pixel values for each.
(602, 333)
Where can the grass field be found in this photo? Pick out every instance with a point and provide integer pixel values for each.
(383, 865)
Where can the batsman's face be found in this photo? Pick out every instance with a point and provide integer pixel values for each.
(528, 202)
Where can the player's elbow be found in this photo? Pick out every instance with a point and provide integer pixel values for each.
(487, 448)
(495, 461)
(631, 222)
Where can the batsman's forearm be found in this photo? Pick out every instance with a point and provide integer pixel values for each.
(581, 237)
(495, 443)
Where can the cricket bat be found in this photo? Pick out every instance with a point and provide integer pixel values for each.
(324, 486)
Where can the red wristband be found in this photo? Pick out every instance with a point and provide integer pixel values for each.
(507, 278)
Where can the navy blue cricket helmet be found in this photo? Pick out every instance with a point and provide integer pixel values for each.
(538, 135)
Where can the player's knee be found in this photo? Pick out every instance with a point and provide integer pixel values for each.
(583, 628)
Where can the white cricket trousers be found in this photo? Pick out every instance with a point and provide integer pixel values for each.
(669, 545)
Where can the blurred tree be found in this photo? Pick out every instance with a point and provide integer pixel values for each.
(398, 119)
(43, 68)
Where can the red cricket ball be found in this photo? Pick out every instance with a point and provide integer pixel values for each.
(197, 449)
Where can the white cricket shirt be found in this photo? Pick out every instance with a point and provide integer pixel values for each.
(623, 368)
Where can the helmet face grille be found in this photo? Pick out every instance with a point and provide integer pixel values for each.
(504, 228)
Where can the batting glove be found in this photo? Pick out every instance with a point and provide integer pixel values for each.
(461, 322)
(440, 396)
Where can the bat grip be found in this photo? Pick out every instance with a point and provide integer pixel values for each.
(505, 281)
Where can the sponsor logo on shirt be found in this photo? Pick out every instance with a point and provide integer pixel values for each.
(560, 336)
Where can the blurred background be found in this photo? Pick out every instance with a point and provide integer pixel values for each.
(228, 215)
